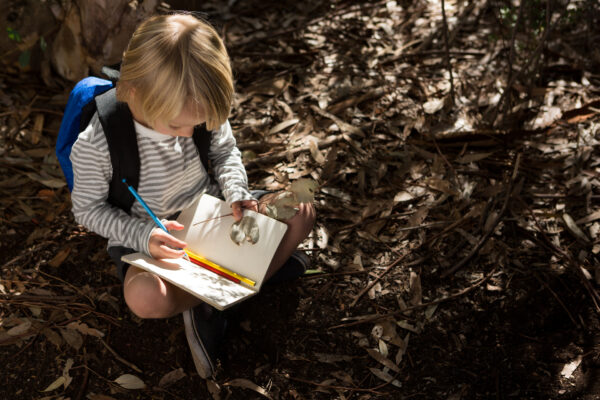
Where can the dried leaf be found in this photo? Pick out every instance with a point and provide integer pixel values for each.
(407, 326)
(384, 376)
(337, 193)
(53, 183)
(171, 377)
(574, 229)
(332, 358)
(35, 311)
(383, 360)
(38, 126)
(85, 329)
(60, 257)
(546, 117)
(214, 389)
(383, 348)
(589, 218)
(432, 106)
(315, 152)
(416, 295)
(389, 334)
(469, 158)
(570, 367)
(72, 337)
(343, 376)
(402, 196)
(19, 329)
(53, 337)
(490, 221)
(441, 185)
(283, 125)
(68, 378)
(56, 384)
(402, 349)
(430, 311)
(129, 381)
(247, 384)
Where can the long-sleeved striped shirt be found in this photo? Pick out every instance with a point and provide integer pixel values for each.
(171, 177)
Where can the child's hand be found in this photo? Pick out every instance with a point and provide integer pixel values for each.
(238, 208)
(163, 245)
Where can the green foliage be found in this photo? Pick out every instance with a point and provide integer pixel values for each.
(25, 58)
(13, 35)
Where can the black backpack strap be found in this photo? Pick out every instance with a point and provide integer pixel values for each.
(202, 138)
(117, 122)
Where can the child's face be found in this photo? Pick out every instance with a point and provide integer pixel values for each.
(183, 124)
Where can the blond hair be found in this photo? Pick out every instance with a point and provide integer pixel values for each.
(172, 59)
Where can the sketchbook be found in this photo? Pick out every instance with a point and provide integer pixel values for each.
(207, 234)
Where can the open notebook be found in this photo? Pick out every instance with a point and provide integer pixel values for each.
(207, 233)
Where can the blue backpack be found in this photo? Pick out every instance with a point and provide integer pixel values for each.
(92, 95)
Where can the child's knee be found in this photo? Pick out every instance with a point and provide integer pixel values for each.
(304, 220)
(146, 296)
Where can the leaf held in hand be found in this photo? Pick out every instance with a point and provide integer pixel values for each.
(283, 207)
(304, 190)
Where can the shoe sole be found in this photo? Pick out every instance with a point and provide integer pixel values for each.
(204, 365)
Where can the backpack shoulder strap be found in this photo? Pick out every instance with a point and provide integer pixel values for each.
(117, 122)
(202, 138)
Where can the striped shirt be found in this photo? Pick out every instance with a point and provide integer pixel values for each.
(171, 177)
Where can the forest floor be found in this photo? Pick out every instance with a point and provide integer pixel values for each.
(456, 250)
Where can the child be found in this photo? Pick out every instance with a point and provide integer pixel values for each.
(175, 75)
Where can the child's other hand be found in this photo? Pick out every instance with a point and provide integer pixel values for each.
(239, 206)
(163, 245)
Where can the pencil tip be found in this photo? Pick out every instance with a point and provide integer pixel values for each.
(124, 181)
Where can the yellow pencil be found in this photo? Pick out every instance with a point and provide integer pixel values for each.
(218, 267)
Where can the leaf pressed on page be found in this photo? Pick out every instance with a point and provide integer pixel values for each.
(245, 230)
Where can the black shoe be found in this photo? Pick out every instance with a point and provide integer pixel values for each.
(204, 330)
(293, 268)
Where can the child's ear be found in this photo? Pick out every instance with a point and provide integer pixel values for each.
(130, 94)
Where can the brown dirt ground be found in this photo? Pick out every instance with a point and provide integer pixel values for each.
(509, 336)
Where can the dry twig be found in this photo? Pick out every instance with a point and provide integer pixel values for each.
(374, 318)
(447, 46)
(491, 229)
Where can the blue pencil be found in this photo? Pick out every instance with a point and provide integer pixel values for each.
(148, 210)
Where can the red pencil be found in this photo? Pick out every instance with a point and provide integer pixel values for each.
(216, 271)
